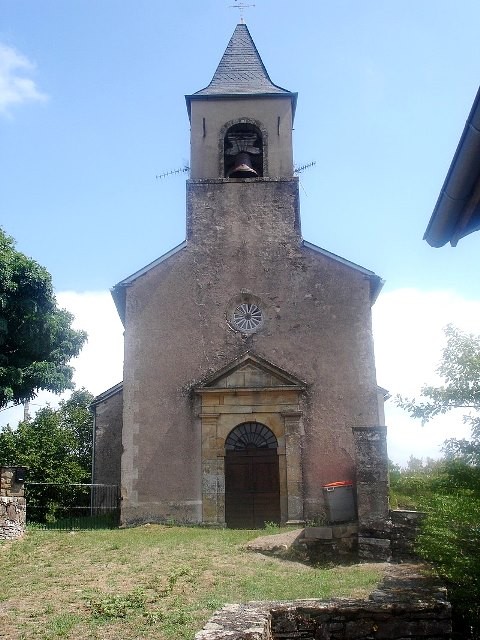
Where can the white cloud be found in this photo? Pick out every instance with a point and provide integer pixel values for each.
(15, 85)
(409, 337)
(100, 364)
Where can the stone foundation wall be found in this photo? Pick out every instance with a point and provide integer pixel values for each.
(12, 505)
(331, 543)
(408, 604)
(339, 542)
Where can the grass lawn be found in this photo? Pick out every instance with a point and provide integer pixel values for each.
(150, 582)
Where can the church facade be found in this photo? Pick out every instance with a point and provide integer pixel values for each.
(249, 361)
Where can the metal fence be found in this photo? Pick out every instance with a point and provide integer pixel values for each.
(72, 506)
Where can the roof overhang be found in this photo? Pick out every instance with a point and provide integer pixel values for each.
(241, 96)
(457, 211)
(119, 291)
(105, 395)
(376, 283)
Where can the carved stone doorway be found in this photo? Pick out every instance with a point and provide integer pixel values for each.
(251, 391)
(252, 486)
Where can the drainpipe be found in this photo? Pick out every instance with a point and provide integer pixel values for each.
(94, 428)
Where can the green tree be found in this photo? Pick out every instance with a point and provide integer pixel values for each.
(450, 492)
(56, 445)
(450, 539)
(409, 485)
(36, 337)
(460, 369)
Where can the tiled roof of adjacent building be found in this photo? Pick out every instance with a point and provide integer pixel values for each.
(241, 70)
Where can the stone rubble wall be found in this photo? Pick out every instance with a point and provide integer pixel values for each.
(12, 505)
(408, 604)
(404, 530)
(339, 542)
(336, 542)
(393, 542)
(374, 542)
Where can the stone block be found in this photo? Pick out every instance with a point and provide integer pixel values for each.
(209, 430)
(294, 473)
(209, 509)
(372, 501)
(318, 533)
(378, 549)
(212, 400)
(344, 530)
(12, 517)
(209, 483)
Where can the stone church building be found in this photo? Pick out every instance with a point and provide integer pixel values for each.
(249, 373)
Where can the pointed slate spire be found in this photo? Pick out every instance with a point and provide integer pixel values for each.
(241, 70)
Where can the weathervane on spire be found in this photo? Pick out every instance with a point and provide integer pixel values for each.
(241, 6)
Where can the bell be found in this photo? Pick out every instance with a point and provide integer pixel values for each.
(242, 167)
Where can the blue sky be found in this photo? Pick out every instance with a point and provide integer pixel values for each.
(92, 108)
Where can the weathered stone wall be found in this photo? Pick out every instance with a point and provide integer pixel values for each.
(374, 527)
(331, 543)
(242, 237)
(12, 505)
(108, 439)
(408, 604)
(339, 542)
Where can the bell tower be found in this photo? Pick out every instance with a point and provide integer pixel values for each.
(241, 123)
(241, 183)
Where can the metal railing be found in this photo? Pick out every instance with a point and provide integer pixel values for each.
(72, 506)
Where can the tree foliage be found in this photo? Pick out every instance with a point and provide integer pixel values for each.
(449, 494)
(56, 445)
(36, 337)
(460, 369)
(450, 539)
(410, 484)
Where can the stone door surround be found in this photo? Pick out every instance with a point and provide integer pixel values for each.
(251, 390)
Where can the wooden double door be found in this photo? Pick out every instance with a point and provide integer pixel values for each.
(252, 488)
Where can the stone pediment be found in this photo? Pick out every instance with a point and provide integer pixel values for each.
(252, 373)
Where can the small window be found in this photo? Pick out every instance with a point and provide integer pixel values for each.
(243, 151)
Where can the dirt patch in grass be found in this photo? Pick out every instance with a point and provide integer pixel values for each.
(150, 582)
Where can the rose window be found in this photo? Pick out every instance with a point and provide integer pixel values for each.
(247, 317)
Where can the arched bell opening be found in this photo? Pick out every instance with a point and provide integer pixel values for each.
(243, 151)
(252, 485)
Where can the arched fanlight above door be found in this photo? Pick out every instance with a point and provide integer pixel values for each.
(250, 435)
